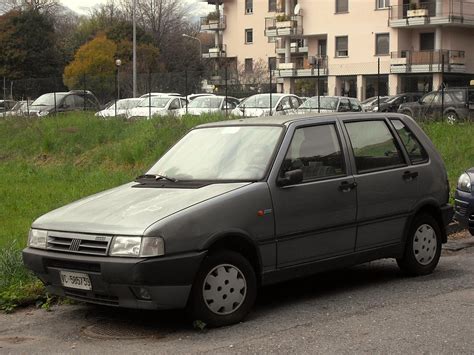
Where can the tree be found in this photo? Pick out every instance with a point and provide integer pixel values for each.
(93, 67)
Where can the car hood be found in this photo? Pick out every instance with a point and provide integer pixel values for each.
(127, 210)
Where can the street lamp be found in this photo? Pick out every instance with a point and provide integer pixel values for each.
(118, 63)
(196, 39)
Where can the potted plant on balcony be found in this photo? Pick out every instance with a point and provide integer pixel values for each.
(416, 11)
(213, 18)
(284, 21)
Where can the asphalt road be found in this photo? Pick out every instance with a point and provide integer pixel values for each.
(371, 308)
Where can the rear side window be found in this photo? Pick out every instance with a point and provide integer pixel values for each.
(374, 146)
(316, 151)
(415, 150)
(355, 106)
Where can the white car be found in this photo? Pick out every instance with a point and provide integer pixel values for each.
(159, 94)
(157, 106)
(195, 96)
(123, 107)
(259, 105)
(210, 104)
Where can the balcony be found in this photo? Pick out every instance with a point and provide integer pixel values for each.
(301, 67)
(451, 12)
(213, 24)
(294, 49)
(215, 52)
(428, 61)
(282, 26)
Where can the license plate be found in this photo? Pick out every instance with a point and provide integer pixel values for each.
(75, 280)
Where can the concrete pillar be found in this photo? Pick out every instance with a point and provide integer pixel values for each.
(437, 81)
(439, 7)
(287, 50)
(439, 38)
(394, 84)
(361, 87)
(289, 85)
(288, 9)
(332, 82)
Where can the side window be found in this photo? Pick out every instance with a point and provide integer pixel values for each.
(69, 102)
(344, 106)
(415, 150)
(79, 102)
(373, 145)
(285, 103)
(230, 105)
(428, 98)
(316, 151)
(294, 102)
(174, 105)
(355, 106)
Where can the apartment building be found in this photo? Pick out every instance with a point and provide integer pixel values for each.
(344, 44)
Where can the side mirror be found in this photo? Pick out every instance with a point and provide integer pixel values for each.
(291, 177)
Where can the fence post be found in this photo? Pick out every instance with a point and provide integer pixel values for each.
(4, 97)
(226, 78)
(271, 103)
(378, 84)
(442, 85)
(186, 88)
(149, 94)
(84, 89)
(317, 80)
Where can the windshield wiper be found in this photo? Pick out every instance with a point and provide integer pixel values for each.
(157, 177)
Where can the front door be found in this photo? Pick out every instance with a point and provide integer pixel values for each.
(315, 219)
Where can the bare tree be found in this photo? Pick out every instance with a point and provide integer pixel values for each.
(38, 5)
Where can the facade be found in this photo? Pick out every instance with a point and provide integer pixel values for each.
(414, 45)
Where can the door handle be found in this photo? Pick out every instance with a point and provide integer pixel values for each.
(408, 175)
(346, 186)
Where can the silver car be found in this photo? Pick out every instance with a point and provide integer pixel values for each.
(240, 204)
(268, 105)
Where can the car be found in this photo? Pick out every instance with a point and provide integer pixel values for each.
(369, 104)
(259, 105)
(194, 96)
(159, 94)
(239, 204)
(62, 102)
(464, 200)
(392, 103)
(6, 105)
(123, 108)
(20, 109)
(330, 104)
(157, 106)
(458, 104)
(210, 104)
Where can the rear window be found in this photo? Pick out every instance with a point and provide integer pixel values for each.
(415, 150)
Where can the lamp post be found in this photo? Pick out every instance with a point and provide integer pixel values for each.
(196, 39)
(134, 65)
(118, 63)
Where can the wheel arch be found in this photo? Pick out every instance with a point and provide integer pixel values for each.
(431, 208)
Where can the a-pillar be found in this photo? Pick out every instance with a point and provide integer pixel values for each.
(332, 83)
(394, 84)
(361, 87)
(288, 85)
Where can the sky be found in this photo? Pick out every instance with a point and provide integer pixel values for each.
(83, 6)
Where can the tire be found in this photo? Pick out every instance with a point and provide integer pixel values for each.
(234, 289)
(452, 117)
(419, 257)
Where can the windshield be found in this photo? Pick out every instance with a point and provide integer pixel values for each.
(206, 102)
(48, 99)
(260, 101)
(327, 103)
(221, 153)
(159, 102)
(124, 105)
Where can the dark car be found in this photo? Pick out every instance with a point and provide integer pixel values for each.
(392, 103)
(60, 102)
(240, 204)
(464, 200)
(458, 104)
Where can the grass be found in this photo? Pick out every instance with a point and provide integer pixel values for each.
(47, 163)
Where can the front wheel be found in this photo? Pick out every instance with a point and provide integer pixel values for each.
(224, 290)
(452, 117)
(423, 247)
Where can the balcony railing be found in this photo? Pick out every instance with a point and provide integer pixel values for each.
(278, 27)
(302, 67)
(213, 24)
(449, 12)
(215, 52)
(427, 61)
(294, 48)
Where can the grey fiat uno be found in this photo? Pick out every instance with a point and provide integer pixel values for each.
(237, 205)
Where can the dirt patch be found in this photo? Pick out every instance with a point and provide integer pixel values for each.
(15, 340)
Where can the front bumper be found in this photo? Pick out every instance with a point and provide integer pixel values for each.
(464, 209)
(168, 280)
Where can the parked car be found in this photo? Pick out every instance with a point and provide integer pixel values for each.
(369, 104)
(458, 103)
(259, 105)
(61, 102)
(19, 109)
(464, 200)
(210, 104)
(6, 105)
(195, 96)
(123, 108)
(392, 103)
(157, 106)
(159, 94)
(239, 204)
(330, 104)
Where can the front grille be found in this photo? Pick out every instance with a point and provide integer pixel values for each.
(93, 297)
(79, 243)
(461, 208)
(72, 265)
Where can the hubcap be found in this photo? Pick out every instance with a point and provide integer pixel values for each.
(224, 289)
(424, 244)
(451, 118)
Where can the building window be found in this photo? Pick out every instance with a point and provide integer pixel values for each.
(249, 36)
(342, 6)
(272, 63)
(248, 7)
(342, 46)
(383, 4)
(272, 5)
(248, 65)
(382, 44)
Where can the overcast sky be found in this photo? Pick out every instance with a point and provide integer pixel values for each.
(83, 6)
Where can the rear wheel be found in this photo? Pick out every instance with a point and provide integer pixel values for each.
(452, 117)
(224, 290)
(423, 246)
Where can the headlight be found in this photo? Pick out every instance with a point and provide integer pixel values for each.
(37, 238)
(43, 113)
(464, 183)
(137, 246)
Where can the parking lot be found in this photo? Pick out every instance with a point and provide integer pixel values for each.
(369, 308)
